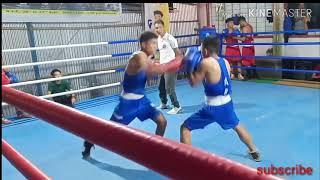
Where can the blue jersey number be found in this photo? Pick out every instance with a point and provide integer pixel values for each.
(226, 86)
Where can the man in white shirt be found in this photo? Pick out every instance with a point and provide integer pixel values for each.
(168, 48)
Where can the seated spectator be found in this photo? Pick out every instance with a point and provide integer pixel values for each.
(59, 87)
(316, 76)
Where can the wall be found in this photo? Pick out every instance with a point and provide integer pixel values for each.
(183, 21)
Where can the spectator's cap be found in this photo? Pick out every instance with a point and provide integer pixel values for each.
(229, 19)
(55, 70)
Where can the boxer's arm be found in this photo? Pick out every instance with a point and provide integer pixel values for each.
(197, 76)
(239, 38)
(228, 67)
(243, 37)
(152, 67)
(236, 34)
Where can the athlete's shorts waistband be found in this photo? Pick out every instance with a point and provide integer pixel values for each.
(131, 96)
(233, 46)
(217, 100)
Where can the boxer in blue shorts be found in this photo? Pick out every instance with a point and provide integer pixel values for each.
(133, 102)
(213, 71)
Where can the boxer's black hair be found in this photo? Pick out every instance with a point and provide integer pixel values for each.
(228, 20)
(159, 22)
(55, 70)
(147, 35)
(212, 44)
(242, 18)
(158, 12)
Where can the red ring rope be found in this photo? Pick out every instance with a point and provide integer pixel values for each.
(21, 163)
(167, 157)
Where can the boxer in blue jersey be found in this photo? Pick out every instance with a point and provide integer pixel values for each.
(133, 101)
(213, 71)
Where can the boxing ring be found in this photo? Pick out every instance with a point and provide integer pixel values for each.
(56, 152)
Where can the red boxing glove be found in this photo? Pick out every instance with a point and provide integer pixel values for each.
(174, 65)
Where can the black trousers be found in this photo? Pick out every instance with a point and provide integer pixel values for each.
(287, 63)
(162, 90)
(167, 87)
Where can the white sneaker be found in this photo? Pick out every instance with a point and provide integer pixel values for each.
(174, 110)
(163, 106)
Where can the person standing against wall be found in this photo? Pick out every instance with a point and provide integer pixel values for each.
(248, 51)
(233, 50)
(168, 48)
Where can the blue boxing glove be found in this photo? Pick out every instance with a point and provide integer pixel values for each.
(192, 59)
(225, 32)
(13, 78)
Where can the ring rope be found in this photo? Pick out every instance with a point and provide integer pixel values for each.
(81, 45)
(63, 78)
(149, 150)
(275, 44)
(21, 163)
(75, 91)
(278, 69)
(274, 32)
(55, 61)
(67, 77)
(275, 57)
(76, 59)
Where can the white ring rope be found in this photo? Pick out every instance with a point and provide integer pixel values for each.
(56, 61)
(60, 78)
(76, 91)
(80, 90)
(55, 47)
(81, 45)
